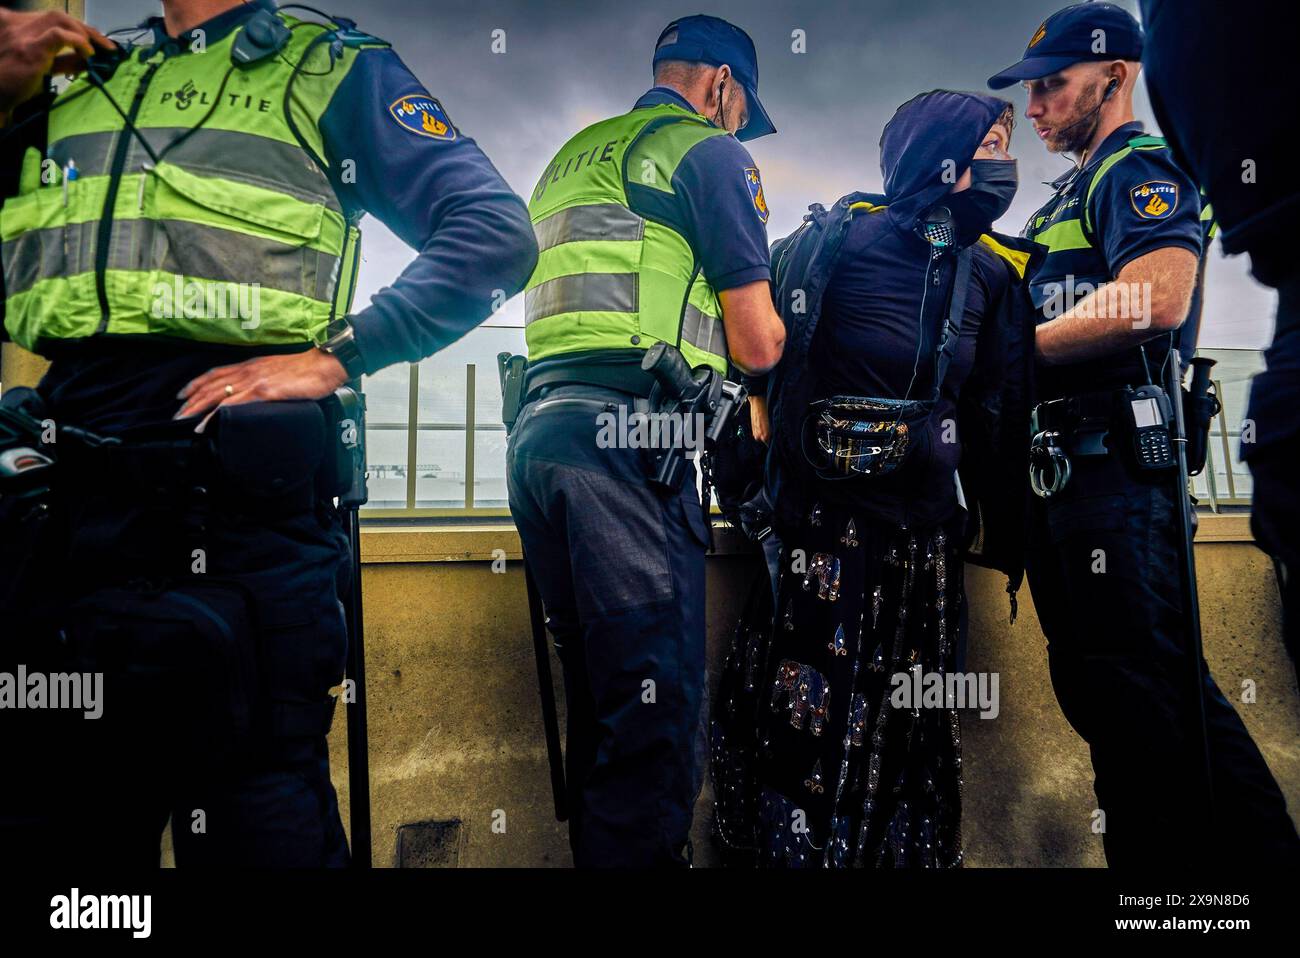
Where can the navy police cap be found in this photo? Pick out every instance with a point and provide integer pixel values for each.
(703, 39)
(1084, 31)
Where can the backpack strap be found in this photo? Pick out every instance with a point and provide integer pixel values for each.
(951, 334)
(862, 206)
(1017, 259)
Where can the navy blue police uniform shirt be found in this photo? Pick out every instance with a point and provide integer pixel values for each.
(717, 203)
(1126, 222)
(866, 345)
(441, 195)
(436, 190)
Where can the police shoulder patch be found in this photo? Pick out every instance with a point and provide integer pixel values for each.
(755, 184)
(1154, 199)
(422, 115)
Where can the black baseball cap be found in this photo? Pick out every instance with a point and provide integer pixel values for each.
(703, 39)
(1084, 31)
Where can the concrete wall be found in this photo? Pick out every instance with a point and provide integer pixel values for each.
(456, 737)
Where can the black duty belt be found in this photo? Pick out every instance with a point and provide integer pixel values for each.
(1067, 427)
(139, 469)
(1082, 421)
(264, 459)
(623, 377)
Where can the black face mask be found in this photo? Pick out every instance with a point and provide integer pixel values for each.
(992, 188)
(993, 185)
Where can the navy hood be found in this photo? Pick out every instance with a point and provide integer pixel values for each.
(923, 134)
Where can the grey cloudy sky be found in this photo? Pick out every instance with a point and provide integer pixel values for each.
(569, 64)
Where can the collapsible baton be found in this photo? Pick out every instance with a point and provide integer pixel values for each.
(511, 370)
(1187, 570)
(352, 428)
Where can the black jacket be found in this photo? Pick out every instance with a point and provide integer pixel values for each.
(992, 413)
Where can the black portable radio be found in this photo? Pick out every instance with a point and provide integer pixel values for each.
(1149, 415)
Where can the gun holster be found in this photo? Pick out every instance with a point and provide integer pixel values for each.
(343, 473)
(700, 397)
(26, 460)
(511, 370)
(30, 545)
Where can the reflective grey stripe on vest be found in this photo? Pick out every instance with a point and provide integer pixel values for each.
(599, 221)
(580, 293)
(188, 249)
(44, 254)
(243, 157)
(704, 332)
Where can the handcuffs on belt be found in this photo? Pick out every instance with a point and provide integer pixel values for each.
(1050, 449)
(1049, 466)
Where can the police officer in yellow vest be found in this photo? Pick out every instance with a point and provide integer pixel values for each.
(180, 239)
(651, 229)
(1117, 289)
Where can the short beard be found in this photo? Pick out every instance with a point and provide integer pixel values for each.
(1078, 133)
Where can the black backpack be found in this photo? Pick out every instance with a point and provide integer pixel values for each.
(992, 414)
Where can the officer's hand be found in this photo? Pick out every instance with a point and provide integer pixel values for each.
(759, 424)
(30, 45)
(313, 374)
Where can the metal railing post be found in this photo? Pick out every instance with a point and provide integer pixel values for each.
(412, 433)
(470, 370)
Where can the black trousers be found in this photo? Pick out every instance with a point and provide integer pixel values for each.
(1104, 572)
(98, 792)
(620, 568)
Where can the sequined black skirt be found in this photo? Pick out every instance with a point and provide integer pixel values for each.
(819, 757)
